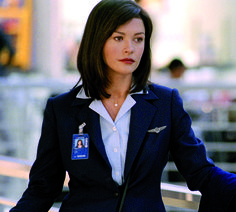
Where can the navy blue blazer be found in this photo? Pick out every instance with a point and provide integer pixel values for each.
(91, 186)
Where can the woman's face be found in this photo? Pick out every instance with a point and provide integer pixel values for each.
(122, 51)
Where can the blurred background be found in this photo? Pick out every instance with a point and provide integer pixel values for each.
(38, 47)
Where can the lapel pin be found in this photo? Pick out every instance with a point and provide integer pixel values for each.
(157, 129)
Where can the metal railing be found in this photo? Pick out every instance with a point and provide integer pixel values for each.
(173, 195)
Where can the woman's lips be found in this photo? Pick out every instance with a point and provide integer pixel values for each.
(127, 60)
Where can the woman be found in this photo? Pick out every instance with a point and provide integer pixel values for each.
(80, 144)
(129, 125)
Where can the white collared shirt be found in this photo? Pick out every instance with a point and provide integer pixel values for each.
(114, 133)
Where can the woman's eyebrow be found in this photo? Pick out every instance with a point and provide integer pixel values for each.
(138, 33)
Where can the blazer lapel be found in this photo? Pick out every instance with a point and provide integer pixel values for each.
(85, 115)
(141, 116)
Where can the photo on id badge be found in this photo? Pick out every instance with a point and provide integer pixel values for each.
(80, 147)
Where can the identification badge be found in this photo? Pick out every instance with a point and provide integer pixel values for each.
(80, 147)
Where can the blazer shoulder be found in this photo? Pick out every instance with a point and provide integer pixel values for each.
(67, 97)
(160, 90)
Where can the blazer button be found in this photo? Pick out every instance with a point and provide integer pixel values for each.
(116, 194)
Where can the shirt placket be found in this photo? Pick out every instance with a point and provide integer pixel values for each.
(116, 159)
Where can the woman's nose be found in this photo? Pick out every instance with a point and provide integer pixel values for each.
(128, 47)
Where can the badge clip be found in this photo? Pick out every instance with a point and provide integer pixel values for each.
(81, 128)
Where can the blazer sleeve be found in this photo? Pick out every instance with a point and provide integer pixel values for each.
(218, 187)
(47, 174)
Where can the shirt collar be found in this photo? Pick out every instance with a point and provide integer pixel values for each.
(82, 95)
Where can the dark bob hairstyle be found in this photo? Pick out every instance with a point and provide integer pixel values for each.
(104, 19)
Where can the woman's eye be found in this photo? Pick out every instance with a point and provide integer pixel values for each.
(118, 38)
(139, 40)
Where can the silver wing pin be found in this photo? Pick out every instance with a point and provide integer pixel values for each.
(157, 129)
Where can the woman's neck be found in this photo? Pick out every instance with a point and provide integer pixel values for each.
(119, 87)
(118, 92)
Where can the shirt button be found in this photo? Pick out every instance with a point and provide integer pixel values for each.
(114, 129)
(115, 150)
